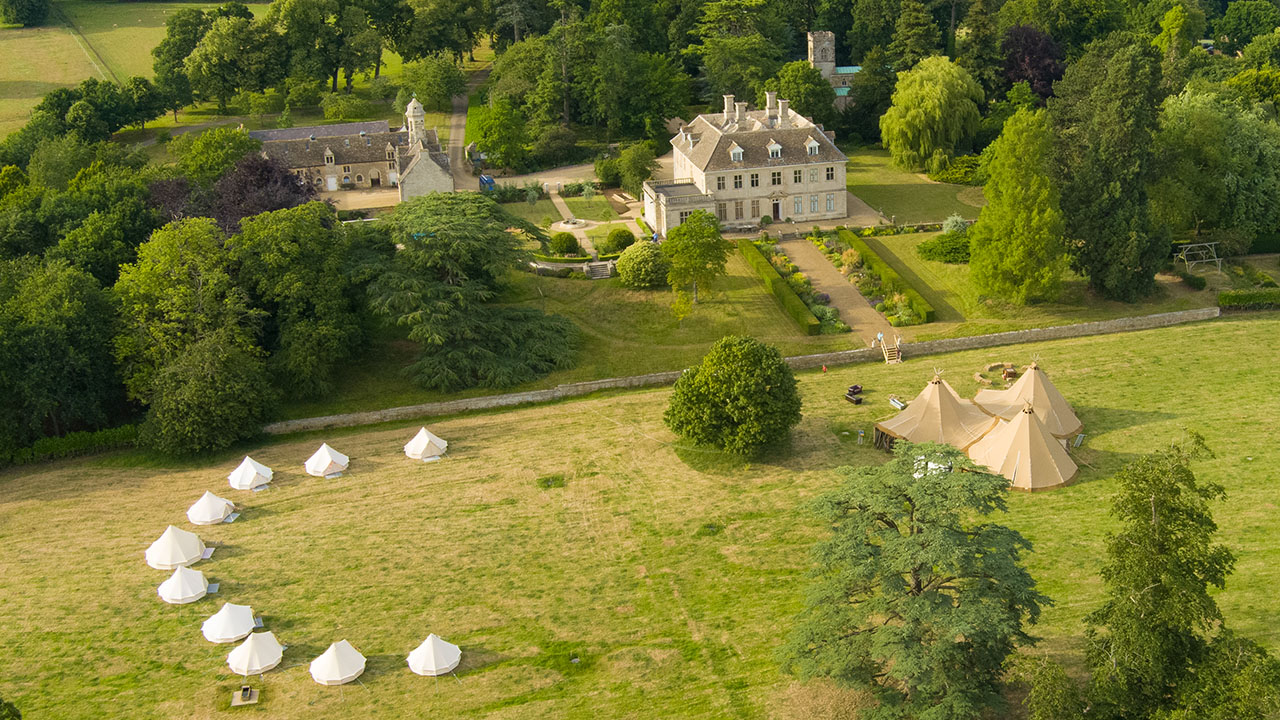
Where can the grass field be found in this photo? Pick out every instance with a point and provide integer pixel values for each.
(534, 213)
(597, 208)
(611, 569)
(600, 232)
(625, 332)
(37, 61)
(961, 310)
(907, 197)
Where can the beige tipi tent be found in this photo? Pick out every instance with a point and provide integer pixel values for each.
(183, 586)
(327, 462)
(249, 474)
(1034, 387)
(257, 654)
(938, 414)
(1024, 451)
(340, 664)
(425, 446)
(209, 510)
(229, 624)
(434, 656)
(174, 548)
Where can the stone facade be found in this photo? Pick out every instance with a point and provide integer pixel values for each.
(822, 55)
(364, 155)
(741, 165)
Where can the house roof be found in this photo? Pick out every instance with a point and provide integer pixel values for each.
(321, 131)
(354, 149)
(708, 139)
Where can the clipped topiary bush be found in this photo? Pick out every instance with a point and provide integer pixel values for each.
(740, 398)
(948, 248)
(643, 266)
(619, 239)
(563, 243)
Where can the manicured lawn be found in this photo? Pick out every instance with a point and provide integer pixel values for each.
(610, 569)
(961, 309)
(597, 208)
(600, 232)
(37, 61)
(625, 332)
(534, 213)
(907, 197)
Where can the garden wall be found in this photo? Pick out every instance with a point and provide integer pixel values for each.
(799, 362)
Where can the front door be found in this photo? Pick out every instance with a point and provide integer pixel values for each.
(777, 209)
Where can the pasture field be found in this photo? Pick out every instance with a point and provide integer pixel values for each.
(624, 332)
(37, 61)
(905, 197)
(961, 310)
(669, 573)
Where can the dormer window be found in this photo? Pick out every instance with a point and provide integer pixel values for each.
(812, 146)
(775, 150)
(391, 152)
(328, 157)
(735, 154)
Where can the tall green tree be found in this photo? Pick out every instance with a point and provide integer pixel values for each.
(1017, 251)
(1243, 21)
(980, 51)
(456, 252)
(435, 79)
(235, 54)
(1104, 119)
(741, 398)
(915, 36)
(918, 597)
(870, 95)
(183, 30)
(697, 252)
(810, 94)
(935, 107)
(873, 25)
(28, 13)
(636, 164)
(502, 135)
(206, 156)
(1262, 51)
(1071, 23)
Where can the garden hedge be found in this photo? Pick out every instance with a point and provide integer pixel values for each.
(71, 444)
(562, 259)
(790, 301)
(890, 280)
(1255, 299)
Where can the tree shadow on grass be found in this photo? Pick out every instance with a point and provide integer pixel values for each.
(1106, 419)
(713, 461)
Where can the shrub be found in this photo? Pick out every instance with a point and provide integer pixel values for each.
(546, 482)
(740, 398)
(643, 266)
(850, 260)
(954, 224)
(963, 170)
(578, 189)
(338, 106)
(1193, 281)
(887, 278)
(773, 282)
(766, 220)
(619, 239)
(948, 248)
(71, 445)
(1257, 299)
(563, 243)
(608, 171)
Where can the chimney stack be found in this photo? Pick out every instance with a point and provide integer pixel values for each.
(783, 110)
(728, 107)
(740, 112)
(770, 103)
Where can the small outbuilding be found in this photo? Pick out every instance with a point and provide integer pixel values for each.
(174, 548)
(184, 586)
(340, 664)
(249, 474)
(425, 446)
(327, 463)
(210, 510)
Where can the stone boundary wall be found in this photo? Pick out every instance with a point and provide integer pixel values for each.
(799, 362)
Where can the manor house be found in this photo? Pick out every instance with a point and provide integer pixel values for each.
(742, 165)
(364, 155)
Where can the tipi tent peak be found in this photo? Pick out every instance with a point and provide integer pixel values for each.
(327, 462)
(425, 446)
(209, 509)
(1034, 387)
(174, 548)
(938, 414)
(183, 586)
(1024, 451)
(229, 624)
(434, 657)
(249, 474)
(341, 663)
(257, 654)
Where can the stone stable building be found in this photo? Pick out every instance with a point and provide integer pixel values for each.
(364, 155)
(741, 165)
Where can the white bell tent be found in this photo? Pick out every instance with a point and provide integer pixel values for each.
(434, 657)
(425, 446)
(174, 548)
(210, 509)
(229, 624)
(340, 664)
(184, 586)
(327, 463)
(257, 654)
(249, 474)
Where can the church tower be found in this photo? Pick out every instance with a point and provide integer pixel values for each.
(415, 119)
(822, 52)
